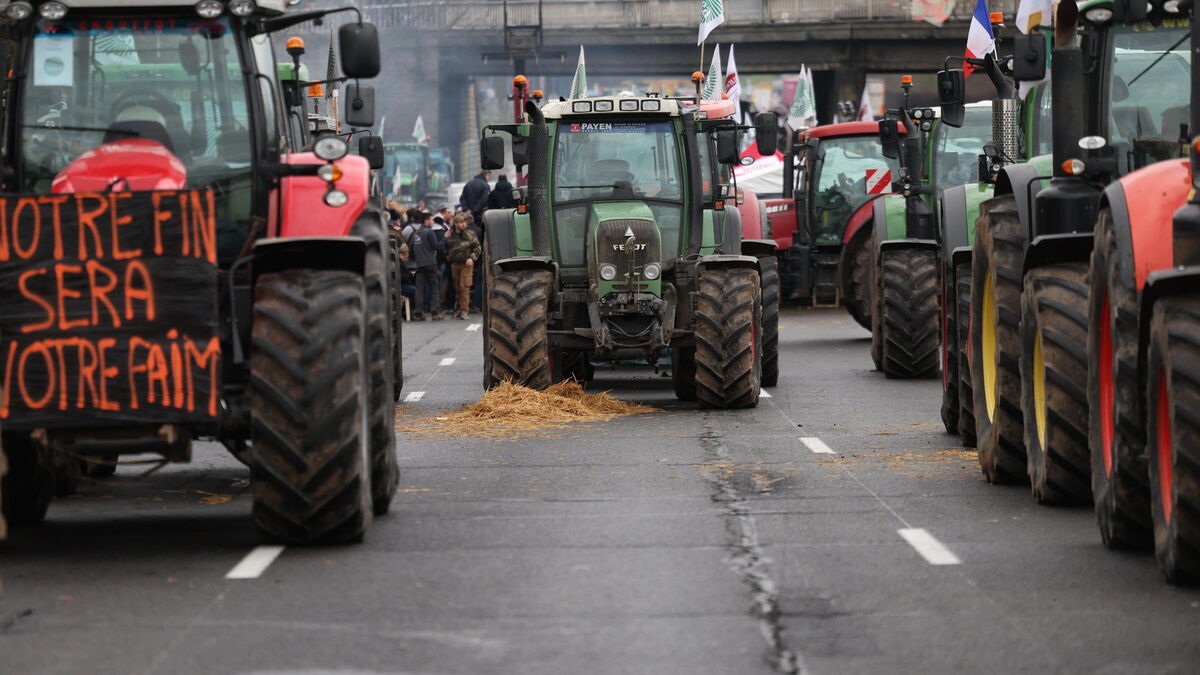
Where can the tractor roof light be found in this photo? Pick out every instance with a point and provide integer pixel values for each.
(1099, 15)
(209, 9)
(652, 106)
(629, 105)
(52, 11)
(581, 106)
(1171, 6)
(604, 106)
(331, 148)
(19, 10)
(242, 7)
(1074, 167)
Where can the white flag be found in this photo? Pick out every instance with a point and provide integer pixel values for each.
(1032, 13)
(419, 130)
(865, 111)
(579, 82)
(712, 14)
(801, 106)
(712, 84)
(733, 86)
(812, 96)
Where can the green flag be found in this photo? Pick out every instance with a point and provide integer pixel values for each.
(714, 84)
(579, 82)
(803, 107)
(331, 69)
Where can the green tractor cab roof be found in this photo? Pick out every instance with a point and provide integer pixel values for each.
(620, 105)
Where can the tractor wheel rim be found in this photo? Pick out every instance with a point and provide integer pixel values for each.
(1106, 386)
(1039, 390)
(988, 344)
(1165, 453)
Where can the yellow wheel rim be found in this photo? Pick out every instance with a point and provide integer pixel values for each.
(1039, 389)
(988, 342)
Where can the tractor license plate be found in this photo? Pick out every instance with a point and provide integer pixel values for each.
(108, 309)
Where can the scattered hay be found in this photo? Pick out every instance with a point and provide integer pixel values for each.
(513, 411)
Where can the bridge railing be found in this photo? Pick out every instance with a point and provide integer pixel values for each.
(631, 14)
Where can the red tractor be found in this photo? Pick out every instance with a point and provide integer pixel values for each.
(831, 174)
(181, 260)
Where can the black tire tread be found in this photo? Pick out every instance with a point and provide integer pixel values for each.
(728, 310)
(518, 344)
(966, 399)
(858, 275)
(768, 266)
(909, 334)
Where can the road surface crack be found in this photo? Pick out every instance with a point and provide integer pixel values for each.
(746, 557)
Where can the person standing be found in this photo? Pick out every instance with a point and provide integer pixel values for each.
(463, 251)
(501, 197)
(424, 246)
(475, 195)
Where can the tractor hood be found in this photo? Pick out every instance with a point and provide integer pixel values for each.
(610, 226)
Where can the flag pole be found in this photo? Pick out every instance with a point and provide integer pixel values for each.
(701, 69)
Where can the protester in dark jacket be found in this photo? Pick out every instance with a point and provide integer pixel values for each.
(475, 195)
(501, 197)
(424, 246)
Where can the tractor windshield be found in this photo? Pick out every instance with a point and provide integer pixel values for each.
(840, 182)
(1149, 93)
(957, 152)
(616, 160)
(177, 82)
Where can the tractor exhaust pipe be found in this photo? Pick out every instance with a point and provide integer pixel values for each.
(539, 219)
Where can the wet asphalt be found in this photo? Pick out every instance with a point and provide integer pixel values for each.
(681, 541)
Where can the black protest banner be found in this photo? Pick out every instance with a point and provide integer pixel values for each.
(108, 309)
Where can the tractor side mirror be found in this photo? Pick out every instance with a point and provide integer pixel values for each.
(766, 133)
(360, 50)
(952, 94)
(520, 151)
(1130, 11)
(360, 105)
(491, 153)
(727, 147)
(371, 148)
(1029, 57)
(889, 138)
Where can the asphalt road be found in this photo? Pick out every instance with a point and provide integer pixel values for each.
(800, 536)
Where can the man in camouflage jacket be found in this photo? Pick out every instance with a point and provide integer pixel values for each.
(462, 250)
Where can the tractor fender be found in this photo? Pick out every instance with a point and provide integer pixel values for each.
(1143, 204)
(304, 212)
(889, 219)
(960, 210)
(753, 224)
(516, 264)
(961, 256)
(930, 244)
(727, 261)
(758, 247)
(1160, 284)
(861, 216)
(1022, 182)
(783, 216)
(728, 226)
(272, 254)
(500, 233)
(1051, 249)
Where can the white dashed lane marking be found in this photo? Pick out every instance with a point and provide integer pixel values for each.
(448, 361)
(474, 327)
(817, 445)
(932, 550)
(763, 393)
(414, 396)
(255, 563)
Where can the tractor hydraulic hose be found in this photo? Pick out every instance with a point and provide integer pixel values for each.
(539, 221)
(1066, 90)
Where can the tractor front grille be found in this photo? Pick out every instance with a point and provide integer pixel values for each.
(611, 237)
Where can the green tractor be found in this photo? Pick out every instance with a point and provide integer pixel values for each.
(933, 156)
(617, 249)
(960, 209)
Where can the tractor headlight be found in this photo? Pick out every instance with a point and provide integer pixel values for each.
(581, 106)
(52, 11)
(336, 198)
(603, 106)
(1098, 14)
(209, 9)
(330, 173)
(19, 11)
(331, 148)
(651, 271)
(608, 272)
(242, 7)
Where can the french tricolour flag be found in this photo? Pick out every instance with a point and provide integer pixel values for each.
(980, 38)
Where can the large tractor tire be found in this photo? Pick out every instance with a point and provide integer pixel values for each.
(1054, 383)
(908, 301)
(381, 356)
(1120, 488)
(962, 329)
(768, 266)
(858, 276)
(516, 344)
(728, 338)
(683, 372)
(1173, 437)
(950, 348)
(996, 341)
(309, 407)
(28, 487)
